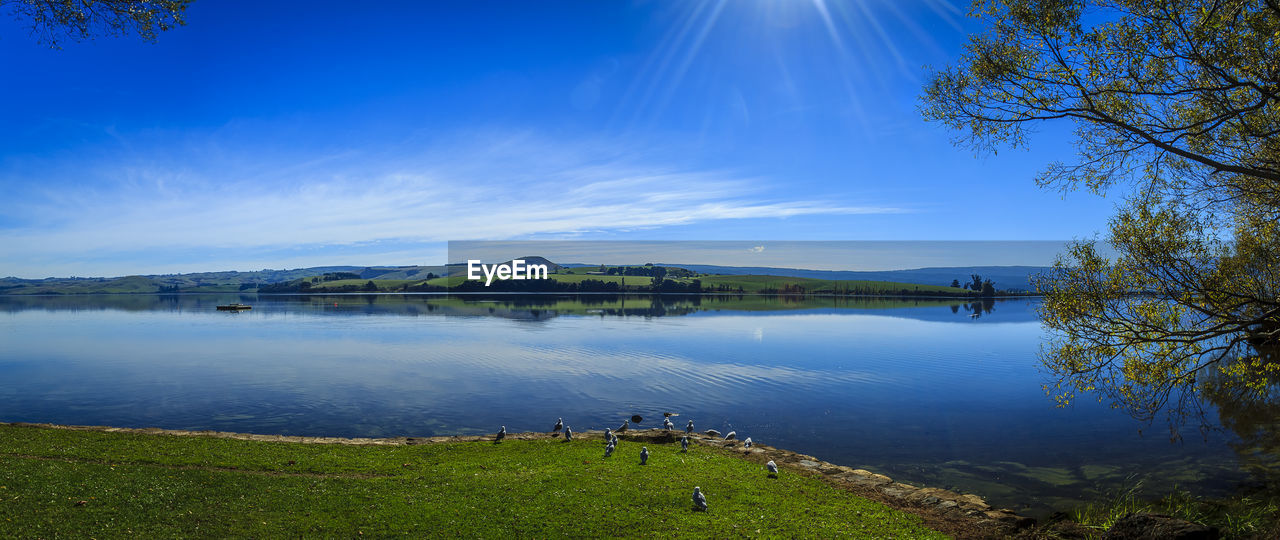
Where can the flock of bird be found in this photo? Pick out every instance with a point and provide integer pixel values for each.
(611, 444)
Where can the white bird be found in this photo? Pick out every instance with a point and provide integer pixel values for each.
(667, 425)
(502, 433)
(684, 444)
(615, 440)
(698, 500)
(644, 455)
(732, 435)
(608, 435)
(773, 468)
(568, 433)
(747, 443)
(559, 425)
(712, 432)
(623, 427)
(689, 428)
(608, 450)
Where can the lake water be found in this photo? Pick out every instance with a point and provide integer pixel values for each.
(922, 391)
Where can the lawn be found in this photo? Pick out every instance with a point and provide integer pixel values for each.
(56, 482)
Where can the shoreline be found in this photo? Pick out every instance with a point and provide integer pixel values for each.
(941, 509)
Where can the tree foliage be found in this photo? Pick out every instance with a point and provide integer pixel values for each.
(52, 21)
(1176, 104)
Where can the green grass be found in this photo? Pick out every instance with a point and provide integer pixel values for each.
(160, 485)
(757, 283)
(631, 281)
(383, 284)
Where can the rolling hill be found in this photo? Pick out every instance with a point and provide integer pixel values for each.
(568, 278)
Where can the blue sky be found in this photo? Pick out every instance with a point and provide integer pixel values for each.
(282, 135)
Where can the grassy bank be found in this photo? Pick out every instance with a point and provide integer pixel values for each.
(88, 483)
(1255, 516)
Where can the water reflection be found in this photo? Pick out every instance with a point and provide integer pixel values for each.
(1253, 415)
(526, 306)
(922, 389)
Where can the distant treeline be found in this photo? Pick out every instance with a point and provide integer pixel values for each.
(647, 270)
(551, 285)
(305, 286)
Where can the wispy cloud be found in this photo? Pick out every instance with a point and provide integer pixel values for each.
(480, 188)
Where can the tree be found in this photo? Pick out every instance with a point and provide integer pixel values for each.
(976, 284)
(1177, 103)
(955, 283)
(988, 288)
(54, 20)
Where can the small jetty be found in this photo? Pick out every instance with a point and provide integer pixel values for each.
(234, 307)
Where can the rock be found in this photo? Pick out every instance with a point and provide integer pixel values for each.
(897, 493)
(866, 478)
(974, 501)
(712, 432)
(1144, 526)
(1061, 526)
(1007, 517)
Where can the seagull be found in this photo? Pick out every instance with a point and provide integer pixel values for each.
(698, 500)
(559, 425)
(689, 428)
(502, 433)
(623, 427)
(614, 441)
(773, 468)
(568, 433)
(684, 444)
(747, 443)
(608, 435)
(644, 455)
(712, 432)
(667, 425)
(608, 450)
(732, 435)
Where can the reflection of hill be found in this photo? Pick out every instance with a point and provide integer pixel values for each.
(122, 302)
(540, 307)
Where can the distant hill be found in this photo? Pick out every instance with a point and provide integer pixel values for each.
(391, 278)
(400, 272)
(534, 259)
(1011, 278)
(231, 281)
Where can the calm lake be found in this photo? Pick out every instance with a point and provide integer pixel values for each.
(921, 390)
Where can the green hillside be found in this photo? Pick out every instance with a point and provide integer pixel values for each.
(120, 285)
(338, 279)
(756, 284)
